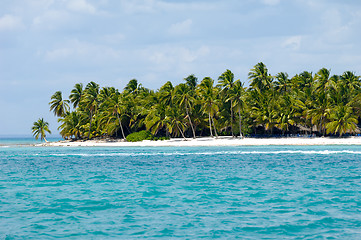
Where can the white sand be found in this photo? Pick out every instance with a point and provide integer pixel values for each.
(207, 141)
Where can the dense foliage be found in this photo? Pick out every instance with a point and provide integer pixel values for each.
(306, 103)
(140, 136)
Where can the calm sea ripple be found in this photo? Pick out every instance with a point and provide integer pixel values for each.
(181, 193)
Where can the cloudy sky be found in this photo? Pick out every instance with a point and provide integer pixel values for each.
(49, 45)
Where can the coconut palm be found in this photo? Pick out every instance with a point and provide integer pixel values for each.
(226, 81)
(132, 87)
(323, 80)
(40, 128)
(90, 101)
(208, 94)
(166, 93)
(156, 118)
(175, 121)
(342, 120)
(282, 83)
(76, 94)
(320, 111)
(191, 81)
(59, 106)
(259, 77)
(237, 94)
(351, 81)
(183, 96)
(114, 106)
(72, 125)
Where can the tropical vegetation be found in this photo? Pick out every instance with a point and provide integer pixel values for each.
(307, 103)
(40, 128)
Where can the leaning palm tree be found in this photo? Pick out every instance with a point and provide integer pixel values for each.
(40, 128)
(59, 106)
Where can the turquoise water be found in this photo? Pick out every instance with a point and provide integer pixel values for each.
(17, 141)
(180, 193)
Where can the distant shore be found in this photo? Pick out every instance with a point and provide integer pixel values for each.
(207, 141)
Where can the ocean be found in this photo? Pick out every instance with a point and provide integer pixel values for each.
(260, 192)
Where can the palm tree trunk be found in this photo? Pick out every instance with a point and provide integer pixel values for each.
(90, 124)
(210, 124)
(190, 122)
(180, 130)
(240, 124)
(232, 118)
(214, 126)
(121, 126)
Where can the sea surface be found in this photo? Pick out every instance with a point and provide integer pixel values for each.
(261, 192)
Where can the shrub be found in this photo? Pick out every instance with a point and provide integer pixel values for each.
(139, 136)
(163, 138)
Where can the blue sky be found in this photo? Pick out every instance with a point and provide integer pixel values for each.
(49, 45)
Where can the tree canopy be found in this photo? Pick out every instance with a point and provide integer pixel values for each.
(307, 103)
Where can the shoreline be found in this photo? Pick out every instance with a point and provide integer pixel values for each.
(209, 142)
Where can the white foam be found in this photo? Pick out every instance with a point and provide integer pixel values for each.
(125, 154)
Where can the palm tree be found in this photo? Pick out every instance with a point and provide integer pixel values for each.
(175, 121)
(259, 77)
(72, 125)
(208, 95)
(351, 81)
(226, 81)
(40, 128)
(132, 87)
(166, 93)
(342, 120)
(320, 112)
(191, 81)
(90, 101)
(282, 83)
(59, 106)
(115, 106)
(237, 94)
(323, 80)
(76, 94)
(156, 118)
(183, 96)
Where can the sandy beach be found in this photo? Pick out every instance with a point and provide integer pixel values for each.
(207, 141)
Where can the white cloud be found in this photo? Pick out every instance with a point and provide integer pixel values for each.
(293, 42)
(152, 6)
(113, 38)
(271, 2)
(138, 6)
(76, 50)
(181, 28)
(81, 6)
(173, 58)
(51, 19)
(10, 22)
